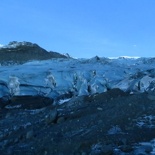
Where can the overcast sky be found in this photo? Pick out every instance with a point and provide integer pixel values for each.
(82, 28)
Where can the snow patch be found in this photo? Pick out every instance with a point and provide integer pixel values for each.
(146, 121)
(125, 57)
(13, 107)
(1, 45)
(63, 101)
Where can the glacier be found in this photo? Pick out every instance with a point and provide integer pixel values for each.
(64, 78)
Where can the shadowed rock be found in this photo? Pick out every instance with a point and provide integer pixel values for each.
(31, 102)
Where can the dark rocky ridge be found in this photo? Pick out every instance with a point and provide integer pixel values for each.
(21, 52)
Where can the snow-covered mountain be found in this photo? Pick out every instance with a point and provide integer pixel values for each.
(61, 77)
(21, 52)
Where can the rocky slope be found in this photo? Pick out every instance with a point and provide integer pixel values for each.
(110, 123)
(21, 52)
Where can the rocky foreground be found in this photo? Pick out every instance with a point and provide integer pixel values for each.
(113, 122)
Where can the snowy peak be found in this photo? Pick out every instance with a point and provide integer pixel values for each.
(125, 57)
(15, 44)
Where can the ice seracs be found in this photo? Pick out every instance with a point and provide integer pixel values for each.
(60, 77)
(13, 85)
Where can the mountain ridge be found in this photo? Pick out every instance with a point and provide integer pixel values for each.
(21, 52)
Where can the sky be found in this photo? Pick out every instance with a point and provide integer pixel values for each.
(82, 28)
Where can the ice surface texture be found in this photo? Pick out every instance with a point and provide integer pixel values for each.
(56, 77)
